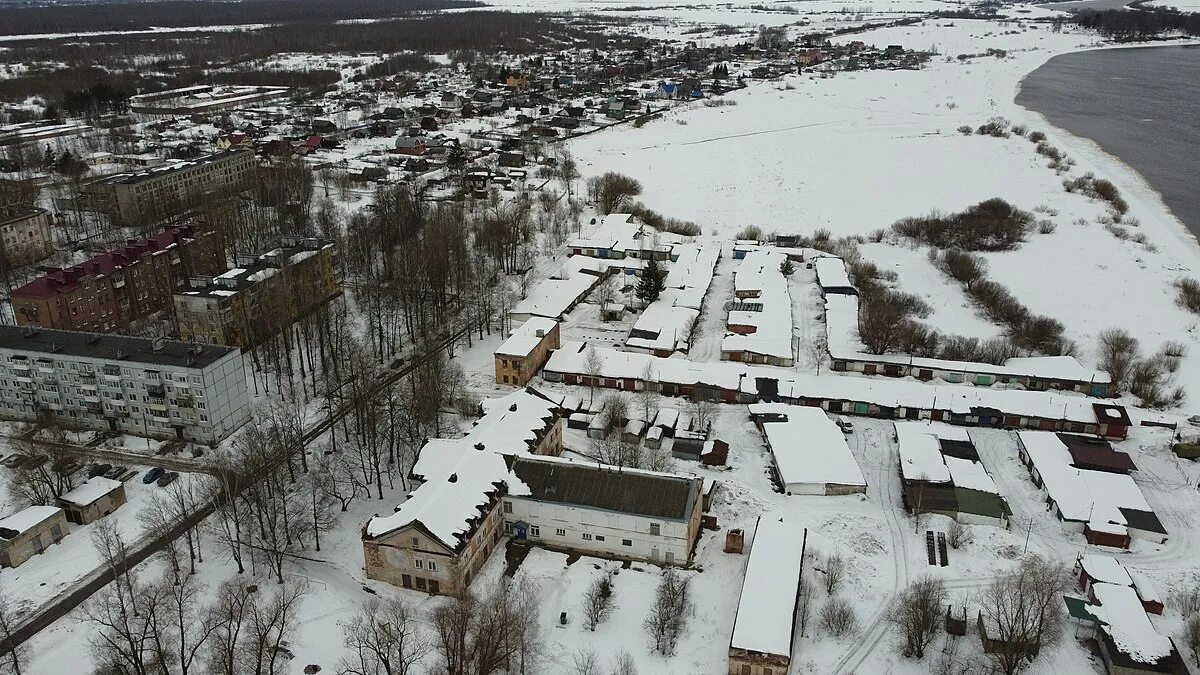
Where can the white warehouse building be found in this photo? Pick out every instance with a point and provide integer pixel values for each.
(604, 510)
(104, 382)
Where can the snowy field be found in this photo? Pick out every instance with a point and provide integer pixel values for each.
(1181, 5)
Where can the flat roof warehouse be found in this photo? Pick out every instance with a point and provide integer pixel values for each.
(111, 347)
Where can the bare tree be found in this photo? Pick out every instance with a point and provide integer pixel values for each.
(12, 659)
(611, 191)
(623, 664)
(271, 623)
(838, 618)
(647, 396)
(230, 618)
(384, 638)
(480, 636)
(1191, 636)
(1117, 352)
(818, 348)
(917, 614)
(597, 602)
(190, 624)
(594, 367)
(835, 571)
(804, 604)
(703, 411)
(669, 613)
(1023, 609)
(585, 662)
(959, 535)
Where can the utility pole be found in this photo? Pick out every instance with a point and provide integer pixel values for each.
(1027, 531)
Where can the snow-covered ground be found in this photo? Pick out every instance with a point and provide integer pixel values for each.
(1181, 5)
(856, 152)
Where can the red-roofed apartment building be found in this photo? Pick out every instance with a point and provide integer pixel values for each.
(114, 289)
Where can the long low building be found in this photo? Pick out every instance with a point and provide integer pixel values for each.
(596, 509)
(884, 398)
(764, 627)
(29, 532)
(808, 450)
(102, 382)
(1108, 508)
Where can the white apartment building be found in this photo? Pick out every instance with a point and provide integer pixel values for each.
(147, 387)
(602, 510)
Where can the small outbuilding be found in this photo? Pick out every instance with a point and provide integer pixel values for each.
(26, 533)
(93, 500)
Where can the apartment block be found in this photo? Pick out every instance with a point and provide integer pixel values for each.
(147, 387)
(159, 192)
(25, 233)
(112, 290)
(261, 295)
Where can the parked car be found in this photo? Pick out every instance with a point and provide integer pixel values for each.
(99, 470)
(844, 424)
(1194, 419)
(153, 475)
(115, 472)
(167, 478)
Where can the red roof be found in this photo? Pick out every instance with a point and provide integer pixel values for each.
(66, 279)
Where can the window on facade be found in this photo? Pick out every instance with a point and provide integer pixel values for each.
(599, 537)
(508, 507)
(432, 566)
(587, 537)
(654, 529)
(535, 531)
(420, 563)
(627, 542)
(560, 532)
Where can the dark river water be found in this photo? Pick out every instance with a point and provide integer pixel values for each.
(1141, 105)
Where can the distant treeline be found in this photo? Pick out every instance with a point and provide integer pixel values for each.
(124, 15)
(119, 60)
(1126, 25)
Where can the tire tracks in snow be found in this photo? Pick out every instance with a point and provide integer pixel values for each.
(877, 630)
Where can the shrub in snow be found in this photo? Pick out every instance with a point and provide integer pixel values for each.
(838, 618)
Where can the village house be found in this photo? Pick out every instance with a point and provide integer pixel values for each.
(601, 510)
(760, 319)
(764, 626)
(1129, 644)
(524, 353)
(112, 290)
(29, 532)
(93, 500)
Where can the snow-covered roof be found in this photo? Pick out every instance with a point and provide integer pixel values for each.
(771, 320)
(662, 326)
(526, 337)
(25, 519)
(970, 475)
(1125, 621)
(1146, 589)
(920, 453)
(767, 607)
(552, 298)
(89, 492)
(808, 447)
(831, 273)
(458, 474)
(1094, 497)
(884, 392)
(1105, 569)
(690, 274)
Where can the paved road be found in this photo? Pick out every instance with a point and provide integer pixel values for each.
(142, 549)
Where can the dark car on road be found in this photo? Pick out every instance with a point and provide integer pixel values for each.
(166, 478)
(153, 474)
(99, 470)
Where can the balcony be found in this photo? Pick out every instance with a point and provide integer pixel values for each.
(157, 391)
